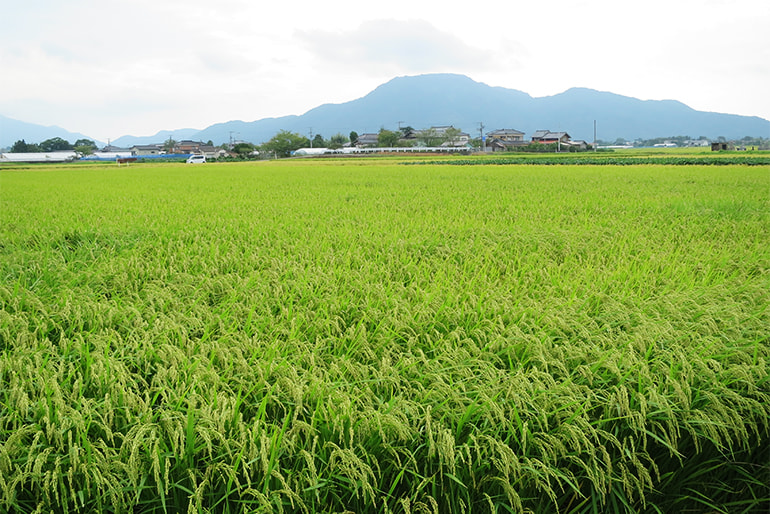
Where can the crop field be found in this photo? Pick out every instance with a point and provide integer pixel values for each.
(358, 335)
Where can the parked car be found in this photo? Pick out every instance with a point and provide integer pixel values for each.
(196, 159)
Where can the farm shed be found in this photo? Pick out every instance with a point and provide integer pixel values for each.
(20, 157)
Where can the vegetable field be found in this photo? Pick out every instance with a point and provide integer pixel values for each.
(363, 336)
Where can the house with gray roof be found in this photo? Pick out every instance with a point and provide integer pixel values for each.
(146, 150)
(547, 137)
(503, 140)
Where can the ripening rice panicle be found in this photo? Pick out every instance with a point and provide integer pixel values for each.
(363, 336)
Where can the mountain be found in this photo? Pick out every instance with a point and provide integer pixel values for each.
(12, 130)
(631, 118)
(447, 99)
(163, 135)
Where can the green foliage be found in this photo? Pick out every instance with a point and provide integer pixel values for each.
(754, 143)
(169, 145)
(318, 141)
(22, 146)
(357, 336)
(337, 141)
(55, 144)
(452, 135)
(284, 143)
(85, 146)
(85, 142)
(431, 137)
(244, 150)
(388, 138)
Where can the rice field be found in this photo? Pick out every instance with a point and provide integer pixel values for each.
(362, 336)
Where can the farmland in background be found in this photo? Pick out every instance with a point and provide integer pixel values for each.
(360, 335)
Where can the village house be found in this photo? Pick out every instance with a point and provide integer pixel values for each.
(454, 138)
(446, 136)
(578, 143)
(146, 150)
(547, 137)
(366, 140)
(502, 140)
(115, 149)
(213, 152)
(188, 146)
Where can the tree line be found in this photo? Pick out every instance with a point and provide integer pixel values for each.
(758, 143)
(285, 142)
(55, 144)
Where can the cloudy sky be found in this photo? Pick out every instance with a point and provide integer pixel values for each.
(110, 68)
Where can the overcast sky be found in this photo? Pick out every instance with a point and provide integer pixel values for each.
(110, 68)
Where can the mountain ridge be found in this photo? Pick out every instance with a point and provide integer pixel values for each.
(446, 99)
(421, 101)
(12, 130)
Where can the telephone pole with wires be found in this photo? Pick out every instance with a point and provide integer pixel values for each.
(483, 137)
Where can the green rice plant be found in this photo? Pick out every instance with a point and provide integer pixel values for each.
(361, 336)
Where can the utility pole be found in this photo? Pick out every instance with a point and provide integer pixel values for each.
(483, 137)
(311, 137)
(594, 135)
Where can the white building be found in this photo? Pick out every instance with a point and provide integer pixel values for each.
(60, 156)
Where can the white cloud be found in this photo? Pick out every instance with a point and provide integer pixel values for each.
(395, 46)
(108, 68)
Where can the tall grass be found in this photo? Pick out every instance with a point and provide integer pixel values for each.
(359, 336)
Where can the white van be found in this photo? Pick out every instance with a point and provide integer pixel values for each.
(196, 159)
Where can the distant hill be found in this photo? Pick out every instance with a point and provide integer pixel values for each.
(447, 99)
(12, 130)
(163, 135)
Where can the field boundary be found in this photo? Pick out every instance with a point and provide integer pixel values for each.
(607, 161)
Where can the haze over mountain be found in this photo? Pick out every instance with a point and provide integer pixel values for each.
(448, 99)
(159, 137)
(14, 130)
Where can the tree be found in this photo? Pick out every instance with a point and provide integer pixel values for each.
(55, 144)
(388, 138)
(168, 145)
(284, 143)
(22, 146)
(84, 142)
(407, 132)
(431, 137)
(318, 141)
(244, 150)
(85, 146)
(353, 137)
(337, 141)
(452, 135)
